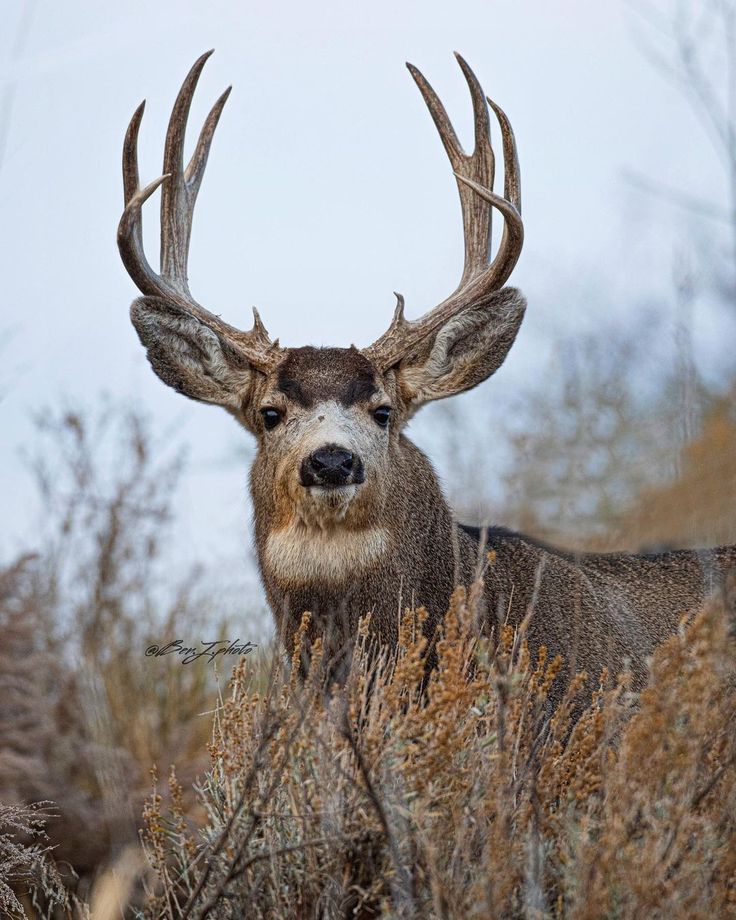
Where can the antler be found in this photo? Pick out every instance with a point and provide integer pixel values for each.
(179, 188)
(474, 175)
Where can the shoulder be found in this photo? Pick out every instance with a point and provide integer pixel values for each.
(500, 537)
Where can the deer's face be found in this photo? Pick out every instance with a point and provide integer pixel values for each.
(326, 422)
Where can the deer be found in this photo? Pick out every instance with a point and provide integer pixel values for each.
(349, 516)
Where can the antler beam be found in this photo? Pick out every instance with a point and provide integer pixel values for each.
(474, 174)
(179, 189)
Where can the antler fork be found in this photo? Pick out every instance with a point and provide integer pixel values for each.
(474, 174)
(179, 189)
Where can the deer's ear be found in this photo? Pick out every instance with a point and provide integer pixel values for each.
(190, 356)
(464, 352)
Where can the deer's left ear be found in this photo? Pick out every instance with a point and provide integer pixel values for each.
(464, 352)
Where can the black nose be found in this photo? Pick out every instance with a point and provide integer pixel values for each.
(329, 466)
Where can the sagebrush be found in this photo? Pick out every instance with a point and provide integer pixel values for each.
(469, 796)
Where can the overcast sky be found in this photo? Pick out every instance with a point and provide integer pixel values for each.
(326, 190)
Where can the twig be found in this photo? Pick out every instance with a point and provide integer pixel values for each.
(676, 197)
(255, 822)
(375, 801)
(8, 96)
(712, 782)
(225, 833)
(293, 848)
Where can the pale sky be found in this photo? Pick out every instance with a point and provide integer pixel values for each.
(326, 190)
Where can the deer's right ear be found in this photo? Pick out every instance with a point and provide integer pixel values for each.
(188, 355)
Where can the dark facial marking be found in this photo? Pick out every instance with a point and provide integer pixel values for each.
(362, 388)
(311, 375)
(292, 389)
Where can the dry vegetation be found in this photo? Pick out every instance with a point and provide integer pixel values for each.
(596, 466)
(472, 799)
(83, 714)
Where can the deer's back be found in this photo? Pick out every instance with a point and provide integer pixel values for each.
(596, 609)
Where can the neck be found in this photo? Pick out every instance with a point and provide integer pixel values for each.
(407, 551)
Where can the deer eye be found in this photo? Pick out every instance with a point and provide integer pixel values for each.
(382, 415)
(271, 417)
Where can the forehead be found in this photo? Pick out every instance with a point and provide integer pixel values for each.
(313, 375)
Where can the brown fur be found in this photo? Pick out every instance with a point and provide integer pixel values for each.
(596, 610)
(376, 535)
(395, 542)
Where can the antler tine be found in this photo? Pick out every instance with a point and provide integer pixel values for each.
(474, 175)
(194, 172)
(130, 230)
(480, 167)
(130, 154)
(512, 173)
(178, 196)
(439, 116)
(509, 205)
(180, 187)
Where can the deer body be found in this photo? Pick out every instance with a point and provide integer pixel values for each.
(349, 515)
(601, 610)
(598, 610)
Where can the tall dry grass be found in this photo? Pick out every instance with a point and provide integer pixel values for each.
(83, 712)
(472, 795)
(470, 798)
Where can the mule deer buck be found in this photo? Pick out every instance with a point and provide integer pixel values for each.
(349, 514)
